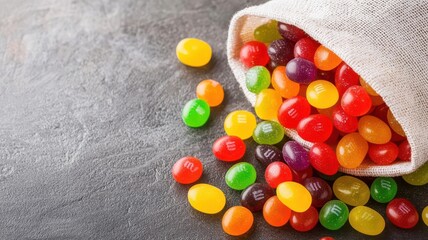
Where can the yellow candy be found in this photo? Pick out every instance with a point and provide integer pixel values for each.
(294, 195)
(206, 198)
(418, 177)
(425, 215)
(322, 94)
(240, 123)
(366, 220)
(267, 104)
(351, 191)
(394, 124)
(193, 52)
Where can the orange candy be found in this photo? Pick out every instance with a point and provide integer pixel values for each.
(237, 221)
(374, 130)
(325, 59)
(275, 212)
(211, 91)
(282, 84)
(394, 124)
(376, 100)
(368, 88)
(351, 150)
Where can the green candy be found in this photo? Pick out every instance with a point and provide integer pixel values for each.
(268, 132)
(240, 176)
(257, 78)
(267, 32)
(334, 214)
(383, 189)
(195, 113)
(418, 177)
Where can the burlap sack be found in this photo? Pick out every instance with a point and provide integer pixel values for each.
(385, 41)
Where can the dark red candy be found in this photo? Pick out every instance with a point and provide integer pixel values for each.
(254, 53)
(326, 75)
(395, 137)
(323, 158)
(319, 189)
(255, 196)
(229, 148)
(304, 221)
(291, 32)
(381, 112)
(267, 154)
(292, 111)
(356, 101)
(326, 238)
(276, 173)
(345, 77)
(404, 151)
(402, 213)
(343, 121)
(315, 128)
(305, 48)
(300, 176)
(383, 154)
(281, 51)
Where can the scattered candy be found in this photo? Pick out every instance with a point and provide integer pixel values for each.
(255, 196)
(418, 177)
(295, 155)
(319, 189)
(304, 221)
(206, 198)
(267, 103)
(333, 215)
(292, 111)
(267, 154)
(254, 53)
(383, 189)
(229, 148)
(366, 220)
(237, 221)
(268, 132)
(425, 215)
(240, 176)
(193, 52)
(351, 191)
(211, 91)
(402, 213)
(187, 170)
(240, 123)
(257, 78)
(195, 113)
(275, 212)
(323, 158)
(276, 173)
(294, 195)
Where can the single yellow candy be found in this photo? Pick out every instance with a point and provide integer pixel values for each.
(240, 123)
(351, 190)
(267, 104)
(366, 220)
(322, 94)
(294, 195)
(206, 198)
(418, 177)
(425, 215)
(193, 52)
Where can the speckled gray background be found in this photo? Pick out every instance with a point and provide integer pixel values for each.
(90, 101)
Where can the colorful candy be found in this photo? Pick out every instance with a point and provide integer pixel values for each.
(351, 150)
(383, 189)
(402, 213)
(333, 215)
(254, 53)
(294, 195)
(240, 176)
(305, 48)
(193, 52)
(268, 132)
(345, 77)
(267, 154)
(418, 177)
(351, 190)
(343, 121)
(394, 124)
(211, 91)
(291, 32)
(295, 155)
(187, 170)
(257, 78)
(195, 113)
(229, 148)
(237, 221)
(292, 111)
(206, 198)
(366, 221)
(374, 130)
(267, 104)
(325, 59)
(304, 221)
(282, 84)
(301, 70)
(255, 196)
(315, 128)
(281, 51)
(356, 101)
(240, 123)
(322, 94)
(276, 173)
(267, 32)
(275, 212)
(383, 154)
(319, 189)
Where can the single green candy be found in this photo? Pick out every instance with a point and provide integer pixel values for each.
(268, 132)
(383, 189)
(267, 32)
(418, 177)
(257, 78)
(334, 214)
(240, 176)
(195, 113)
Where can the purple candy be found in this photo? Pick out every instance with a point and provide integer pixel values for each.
(295, 155)
(301, 71)
(319, 189)
(281, 51)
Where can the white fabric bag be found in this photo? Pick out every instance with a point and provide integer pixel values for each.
(384, 41)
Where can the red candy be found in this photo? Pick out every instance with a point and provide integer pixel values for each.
(187, 170)
(356, 101)
(254, 53)
(305, 48)
(304, 221)
(292, 111)
(229, 148)
(402, 213)
(404, 151)
(315, 128)
(300, 176)
(323, 158)
(291, 32)
(383, 154)
(345, 77)
(343, 121)
(276, 173)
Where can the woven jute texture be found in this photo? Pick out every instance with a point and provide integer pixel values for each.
(385, 41)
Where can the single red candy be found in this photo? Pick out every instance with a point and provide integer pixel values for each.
(254, 53)
(402, 213)
(229, 148)
(323, 158)
(187, 170)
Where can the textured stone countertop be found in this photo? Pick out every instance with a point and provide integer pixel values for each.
(90, 101)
